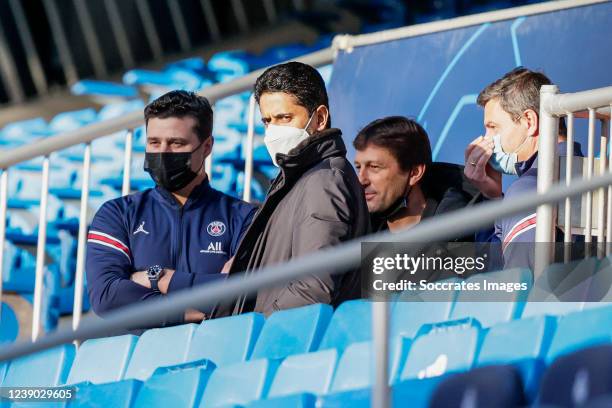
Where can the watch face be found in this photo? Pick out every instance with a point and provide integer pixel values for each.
(154, 271)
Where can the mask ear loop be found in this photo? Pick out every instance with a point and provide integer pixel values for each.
(203, 160)
(308, 123)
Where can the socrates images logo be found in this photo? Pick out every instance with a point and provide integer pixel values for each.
(216, 228)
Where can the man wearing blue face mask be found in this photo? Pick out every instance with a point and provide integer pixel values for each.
(175, 236)
(315, 202)
(510, 146)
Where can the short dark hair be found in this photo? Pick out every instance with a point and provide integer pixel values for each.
(517, 91)
(404, 138)
(180, 104)
(295, 78)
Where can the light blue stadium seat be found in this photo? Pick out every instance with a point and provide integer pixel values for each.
(26, 129)
(355, 369)
(227, 340)
(120, 394)
(522, 343)
(152, 350)
(292, 331)
(238, 384)
(302, 400)
(113, 110)
(182, 388)
(493, 307)
(580, 330)
(413, 310)
(305, 373)
(562, 288)
(102, 360)
(48, 368)
(66, 121)
(416, 393)
(103, 89)
(354, 399)
(9, 325)
(440, 351)
(351, 322)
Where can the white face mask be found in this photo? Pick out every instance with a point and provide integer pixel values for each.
(281, 139)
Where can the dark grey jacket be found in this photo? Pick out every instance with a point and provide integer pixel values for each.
(315, 202)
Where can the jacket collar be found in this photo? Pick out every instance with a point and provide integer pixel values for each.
(532, 162)
(313, 150)
(200, 192)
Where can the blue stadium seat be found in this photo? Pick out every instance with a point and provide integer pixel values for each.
(238, 384)
(295, 401)
(411, 311)
(489, 307)
(9, 325)
(354, 399)
(483, 387)
(113, 110)
(581, 329)
(351, 322)
(441, 351)
(66, 121)
(182, 388)
(120, 394)
(415, 393)
(102, 360)
(305, 373)
(103, 88)
(48, 368)
(574, 379)
(152, 350)
(292, 331)
(3, 369)
(355, 366)
(227, 340)
(562, 288)
(523, 343)
(26, 130)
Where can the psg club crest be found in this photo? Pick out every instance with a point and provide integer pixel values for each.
(216, 228)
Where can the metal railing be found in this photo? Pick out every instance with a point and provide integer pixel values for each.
(553, 106)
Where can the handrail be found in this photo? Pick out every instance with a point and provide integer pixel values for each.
(86, 134)
(344, 256)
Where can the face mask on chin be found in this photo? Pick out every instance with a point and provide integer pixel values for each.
(282, 139)
(169, 170)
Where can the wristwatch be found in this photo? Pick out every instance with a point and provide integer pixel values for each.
(154, 273)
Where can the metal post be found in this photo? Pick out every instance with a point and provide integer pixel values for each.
(41, 252)
(91, 40)
(36, 69)
(609, 214)
(179, 25)
(121, 38)
(3, 205)
(601, 201)
(589, 195)
(82, 240)
(8, 70)
(150, 30)
(547, 158)
(380, 354)
(248, 160)
(569, 169)
(241, 16)
(211, 20)
(60, 40)
(127, 163)
(270, 10)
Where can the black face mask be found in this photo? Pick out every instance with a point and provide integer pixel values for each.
(396, 207)
(171, 171)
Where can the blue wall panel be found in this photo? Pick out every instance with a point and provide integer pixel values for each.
(436, 78)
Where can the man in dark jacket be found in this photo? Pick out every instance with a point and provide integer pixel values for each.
(315, 202)
(402, 185)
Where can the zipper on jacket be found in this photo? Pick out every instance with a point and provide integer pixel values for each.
(178, 239)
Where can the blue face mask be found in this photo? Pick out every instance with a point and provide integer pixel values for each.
(502, 161)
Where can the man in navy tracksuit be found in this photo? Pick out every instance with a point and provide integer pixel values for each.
(175, 236)
(510, 146)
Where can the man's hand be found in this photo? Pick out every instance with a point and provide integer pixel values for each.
(194, 316)
(228, 265)
(478, 171)
(141, 278)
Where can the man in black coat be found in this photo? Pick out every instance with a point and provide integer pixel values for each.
(315, 202)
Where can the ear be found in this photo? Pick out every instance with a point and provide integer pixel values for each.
(321, 118)
(416, 174)
(532, 121)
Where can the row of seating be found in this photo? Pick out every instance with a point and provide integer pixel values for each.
(312, 338)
